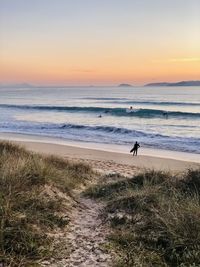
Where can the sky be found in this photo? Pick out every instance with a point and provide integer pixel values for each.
(99, 42)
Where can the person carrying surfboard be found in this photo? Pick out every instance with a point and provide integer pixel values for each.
(135, 148)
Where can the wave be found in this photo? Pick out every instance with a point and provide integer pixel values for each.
(157, 103)
(145, 113)
(105, 134)
(149, 102)
(107, 129)
(100, 128)
(53, 126)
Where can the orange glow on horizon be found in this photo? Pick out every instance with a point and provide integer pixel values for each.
(99, 43)
(110, 73)
(99, 63)
(102, 65)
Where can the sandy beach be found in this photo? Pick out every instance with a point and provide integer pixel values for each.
(101, 160)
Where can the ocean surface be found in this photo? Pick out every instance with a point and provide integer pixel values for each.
(161, 117)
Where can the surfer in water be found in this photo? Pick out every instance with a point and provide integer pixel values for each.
(165, 114)
(130, 109)
(135, 148)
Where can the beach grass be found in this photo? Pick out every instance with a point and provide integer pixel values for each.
(35, 199)
(154, 218)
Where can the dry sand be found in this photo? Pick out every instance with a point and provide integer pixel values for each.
(110, 162)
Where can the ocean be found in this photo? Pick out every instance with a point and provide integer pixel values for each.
(161, 117)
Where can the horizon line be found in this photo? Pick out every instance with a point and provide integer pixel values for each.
(27, 84)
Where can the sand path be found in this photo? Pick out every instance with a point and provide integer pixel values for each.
(86, 237)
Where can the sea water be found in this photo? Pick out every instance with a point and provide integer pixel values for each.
(161, 117)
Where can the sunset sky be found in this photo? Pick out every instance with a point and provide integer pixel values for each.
(99, 42)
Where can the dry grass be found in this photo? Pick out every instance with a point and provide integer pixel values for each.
(154, 218)
(34, 191)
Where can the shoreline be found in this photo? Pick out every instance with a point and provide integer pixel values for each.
(99, 158)
(123, 149)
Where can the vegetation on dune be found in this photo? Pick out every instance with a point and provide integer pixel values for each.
(35, 193)
(154, 217)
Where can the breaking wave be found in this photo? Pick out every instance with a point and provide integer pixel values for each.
(145, 113)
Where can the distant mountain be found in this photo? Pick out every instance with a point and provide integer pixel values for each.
(182, 83)
(125, 85)
(18, 85)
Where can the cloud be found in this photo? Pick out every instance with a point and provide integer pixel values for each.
(178, 60)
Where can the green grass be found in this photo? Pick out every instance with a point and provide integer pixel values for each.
(35, 193)
(154, 218)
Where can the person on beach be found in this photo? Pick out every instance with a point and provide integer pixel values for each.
(135, 148)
